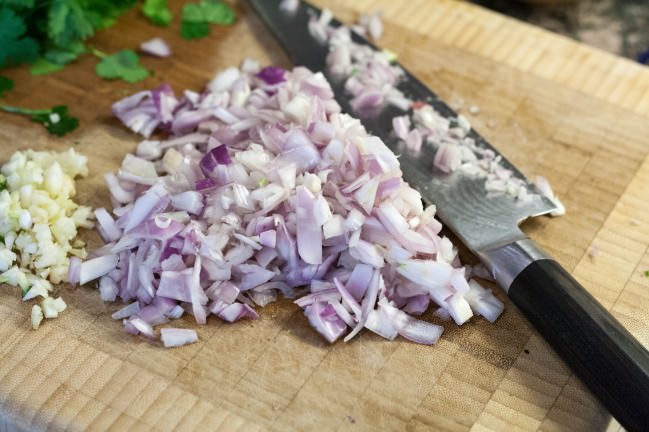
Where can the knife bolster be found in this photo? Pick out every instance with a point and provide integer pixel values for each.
(506, 262)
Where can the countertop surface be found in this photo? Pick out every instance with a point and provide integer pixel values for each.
(553, 106)
(617, 26)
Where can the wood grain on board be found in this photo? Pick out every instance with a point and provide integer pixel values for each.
(552, 106)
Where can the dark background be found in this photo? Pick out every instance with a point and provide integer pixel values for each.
(621, 27)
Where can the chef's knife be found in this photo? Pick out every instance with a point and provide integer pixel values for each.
(608, 359)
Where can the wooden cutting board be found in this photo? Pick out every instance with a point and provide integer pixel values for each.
(553, 106)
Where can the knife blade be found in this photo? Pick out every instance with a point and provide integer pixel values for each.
(608, 359)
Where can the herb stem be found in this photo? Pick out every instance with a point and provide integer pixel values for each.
(27, 111)
(97, 53)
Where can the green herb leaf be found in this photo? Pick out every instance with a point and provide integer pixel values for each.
(65, 55)
(68, 22)
(197, 17)
(104, 13)
(12, 26)
(123, 65)
(193, 24)
(54, 30)
(44, 67)
(56, 58)
(56, 119)
(646, 273)
(3, 186)
(16, 47)
(157, 11)
(217, 12)
(6, 85)
(19, 4)
(194, 30)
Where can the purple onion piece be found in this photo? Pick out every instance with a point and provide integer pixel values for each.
(205, 184)
(272, 75)
(218, 155)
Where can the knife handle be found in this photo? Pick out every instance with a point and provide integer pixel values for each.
(600, 351)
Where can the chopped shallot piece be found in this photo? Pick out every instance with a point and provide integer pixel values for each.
(175, 337)
(156, 47)
(289, 6)
(448, 158)
(371, 25)
(401, 126)
(544, 187)
(594, 251)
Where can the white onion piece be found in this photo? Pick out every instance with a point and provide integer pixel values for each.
(127, 311)
(459, 309)
(96, 267)
(109, 231)
(156, 47)
(175, 337)
(371, 25)
(108, 289)
(483, 302)
(544, 187)
(289, 6)
(141, 326)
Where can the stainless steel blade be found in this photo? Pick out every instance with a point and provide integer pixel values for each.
(483, 222)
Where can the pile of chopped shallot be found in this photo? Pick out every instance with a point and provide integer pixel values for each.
(262, 187)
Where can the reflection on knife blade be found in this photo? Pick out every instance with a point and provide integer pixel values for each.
(371, 81)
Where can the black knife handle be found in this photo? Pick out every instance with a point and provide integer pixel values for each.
(600, 351)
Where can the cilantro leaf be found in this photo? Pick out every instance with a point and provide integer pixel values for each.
(6, 85)
(65, 55)
(217, 12)
(194, 29)
(44, 67)
(19, 51)
(124, 65)
(68, 22)
(52, 30)
(12, 25)
(56, 58)
(197, 17)
(193, 24)
(16, 47)
(157, 11)
(56, 119)
(104, 13)
(19, 4)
